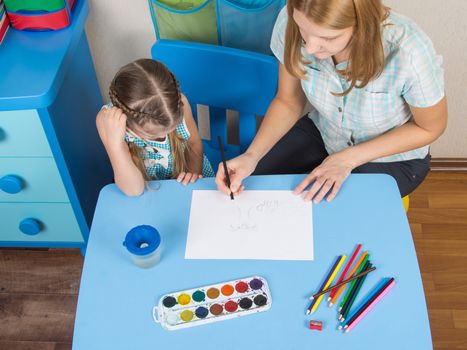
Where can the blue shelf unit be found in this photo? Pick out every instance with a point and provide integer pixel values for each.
(52, 163)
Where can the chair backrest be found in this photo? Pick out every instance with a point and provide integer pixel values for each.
(222, 78)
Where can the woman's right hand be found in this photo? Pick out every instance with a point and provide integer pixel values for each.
(239, 168)
(111, 126)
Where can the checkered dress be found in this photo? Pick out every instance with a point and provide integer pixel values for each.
(157, 156)
(412, 76)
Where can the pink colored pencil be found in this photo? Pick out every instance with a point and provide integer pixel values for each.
(345, 271)
(371, 306)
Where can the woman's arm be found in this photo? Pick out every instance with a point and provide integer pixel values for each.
(195, 158)
(427, 125)
(111, 125)
(284, 111)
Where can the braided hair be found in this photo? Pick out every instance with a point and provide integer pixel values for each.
(148, 92)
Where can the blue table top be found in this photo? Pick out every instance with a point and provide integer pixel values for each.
(33, 63)
(116, 297)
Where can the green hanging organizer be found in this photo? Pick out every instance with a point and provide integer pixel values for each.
(185, 20)
(242, 24)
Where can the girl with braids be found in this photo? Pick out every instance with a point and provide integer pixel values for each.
(375, 85)
(148, 130)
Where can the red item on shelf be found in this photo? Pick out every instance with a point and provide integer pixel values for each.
(41, 21)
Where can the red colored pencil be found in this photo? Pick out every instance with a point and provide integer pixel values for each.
(349, 263)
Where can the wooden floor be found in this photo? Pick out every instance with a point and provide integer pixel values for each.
(438, 218)
(38, 288)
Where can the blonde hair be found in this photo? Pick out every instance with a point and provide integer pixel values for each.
(366, 60)
(148, 92)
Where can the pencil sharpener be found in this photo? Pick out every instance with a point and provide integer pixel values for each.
(316, 325)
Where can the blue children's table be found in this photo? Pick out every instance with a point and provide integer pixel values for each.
(116, 297)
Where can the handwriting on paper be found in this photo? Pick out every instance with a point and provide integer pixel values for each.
(246, 218)
(269, 225)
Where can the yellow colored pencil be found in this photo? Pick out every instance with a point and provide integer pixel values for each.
(341, 288)
(328, 282)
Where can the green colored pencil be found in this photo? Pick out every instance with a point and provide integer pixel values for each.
(349, 290)
(353, 296)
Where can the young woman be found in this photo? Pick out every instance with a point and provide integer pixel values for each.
(375, 85)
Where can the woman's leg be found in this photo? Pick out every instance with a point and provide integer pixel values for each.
(302, 149)
(408, 174)
(298, 152)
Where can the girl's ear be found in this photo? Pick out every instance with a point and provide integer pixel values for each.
(184, 99)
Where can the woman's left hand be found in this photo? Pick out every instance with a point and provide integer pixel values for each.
(328, 177)
(186, 178)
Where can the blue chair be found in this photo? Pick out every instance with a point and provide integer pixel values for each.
(224, 79)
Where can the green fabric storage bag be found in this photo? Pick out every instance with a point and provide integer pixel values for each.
(187, 20)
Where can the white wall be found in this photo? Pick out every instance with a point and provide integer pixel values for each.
(446, 24)
(120, 31)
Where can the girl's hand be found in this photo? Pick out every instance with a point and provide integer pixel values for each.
(111, 125)
(239, 168)
(328, 176)
(186, 178)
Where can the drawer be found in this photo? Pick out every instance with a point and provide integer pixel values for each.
(57, 222)
(22, 135)
(36, 179)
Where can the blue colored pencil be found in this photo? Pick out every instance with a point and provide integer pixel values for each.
(324, 283)
(366, 299)
(369, 306)
(371, 296)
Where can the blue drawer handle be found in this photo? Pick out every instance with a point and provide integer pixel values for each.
(30, 226)
(11, 184)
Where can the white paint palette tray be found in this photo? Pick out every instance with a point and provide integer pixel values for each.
(212, 303)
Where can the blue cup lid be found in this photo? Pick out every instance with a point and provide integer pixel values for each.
(142, 240)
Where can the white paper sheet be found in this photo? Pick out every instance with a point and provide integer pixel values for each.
(267, 225)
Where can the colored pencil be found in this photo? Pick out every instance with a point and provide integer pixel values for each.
(370, 307)
(324, 282)
(334, 273)
(378, 290)
(367, 301)
(349, 290)
(224, 163)
(327, 290)
(358, 285)
(354, 290)
(340, 290)
(349, 263)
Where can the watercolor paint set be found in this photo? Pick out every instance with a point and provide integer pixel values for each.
(212, 303)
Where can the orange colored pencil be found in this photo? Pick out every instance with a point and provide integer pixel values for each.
(352, 272)
(341, 278)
